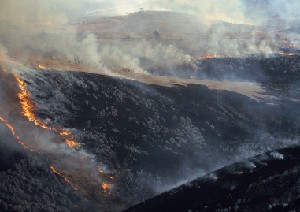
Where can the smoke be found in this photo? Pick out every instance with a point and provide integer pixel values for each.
(34, 27)
(266, 9)
(248, 29)
(158, 53)
(115, 58)
(225, 10)
(3, 51)
(79, 167)
(141, 55)
(38, 29)
(232, 11)
(41, 29)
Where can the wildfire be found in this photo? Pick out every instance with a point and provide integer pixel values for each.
(208, 56)
(28, 108)
(71, 143)
(287, 54)
(5, 60)
(106, 187)
(65, 133)
(12, 130)
(41, 67)
(59, 174)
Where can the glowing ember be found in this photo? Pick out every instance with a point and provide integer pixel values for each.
(28, 112)
(71, 143)
(59, 174)
(12, 130)
(106, 187)
(41, 67)
(287, 54)
(65, 133)
(208, 56)
(27, 106)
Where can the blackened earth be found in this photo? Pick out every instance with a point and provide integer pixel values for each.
(267, 182)
(152, 138)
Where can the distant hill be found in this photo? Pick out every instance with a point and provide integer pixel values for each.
(185, 31)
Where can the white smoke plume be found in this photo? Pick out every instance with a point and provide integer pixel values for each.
(42, 29)
(3, 51)
(118, 55)
(34, 28)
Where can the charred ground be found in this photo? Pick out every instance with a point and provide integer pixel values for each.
(152, 137)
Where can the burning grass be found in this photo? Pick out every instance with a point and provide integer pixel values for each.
(65, 178)
(28, 111)
(12, 130)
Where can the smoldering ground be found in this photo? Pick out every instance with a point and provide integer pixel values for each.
(42, 29)
(32, 28)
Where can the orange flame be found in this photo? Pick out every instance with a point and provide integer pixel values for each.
(106, 187)
(41, 67)
(28, 111)
(12, 130)
(287, 54)
(71, 143)
(28, 108)
(59, 174)
(65, 133)
(208, 56)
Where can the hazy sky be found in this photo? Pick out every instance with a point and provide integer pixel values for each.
(234, 11)
(229, 10)
(226, 10)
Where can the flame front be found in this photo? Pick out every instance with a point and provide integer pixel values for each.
(208, 56)
(106, 187)
(65, 133)
(71, 143)
(12, 130)
(41, 67)
(65, 178)
(28, 112)
(27, 106)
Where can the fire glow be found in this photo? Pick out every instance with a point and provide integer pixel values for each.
(28, 108)
(106, 187)
(59, 174)
(42, 67)
(71, 143)
(208, 56)
(12, 130)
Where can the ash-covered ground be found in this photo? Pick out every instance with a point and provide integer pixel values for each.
(267, 182)
(100, 112)
(148, 138)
